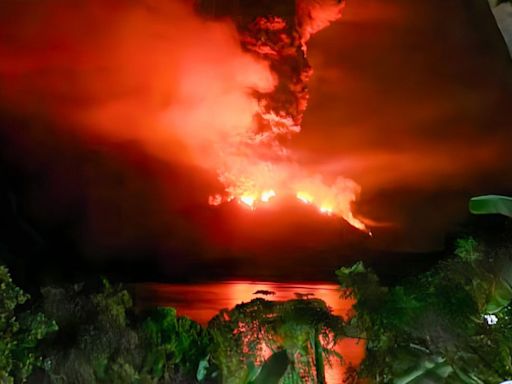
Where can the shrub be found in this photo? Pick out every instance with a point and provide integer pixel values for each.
(20, 333)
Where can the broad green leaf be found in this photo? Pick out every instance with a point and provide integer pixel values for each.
(491, 204)
(273, 369)
(252, 370)
(500, 297)
(202, 369)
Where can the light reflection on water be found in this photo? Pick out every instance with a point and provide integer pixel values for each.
(201, 302)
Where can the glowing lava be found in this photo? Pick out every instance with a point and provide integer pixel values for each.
(267, 195)
(326, 210)
(304, 197)
(248, 200)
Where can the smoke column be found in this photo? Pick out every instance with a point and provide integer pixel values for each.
(259, 166)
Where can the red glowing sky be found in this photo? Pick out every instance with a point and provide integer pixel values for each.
(411, 108)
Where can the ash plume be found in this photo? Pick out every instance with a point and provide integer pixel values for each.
(278, 32)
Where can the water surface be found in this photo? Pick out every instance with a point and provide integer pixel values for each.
(201, 302)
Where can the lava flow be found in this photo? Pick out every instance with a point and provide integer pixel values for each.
(256, 166)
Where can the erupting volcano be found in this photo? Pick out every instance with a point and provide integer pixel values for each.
(218, 85)
(254, 165)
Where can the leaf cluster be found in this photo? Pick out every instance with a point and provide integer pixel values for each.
(101, 340)
(20, 332)
(304, 328)
(433, 327)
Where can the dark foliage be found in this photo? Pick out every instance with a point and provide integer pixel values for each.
(101, 339)
(452, 324)
(20, 332)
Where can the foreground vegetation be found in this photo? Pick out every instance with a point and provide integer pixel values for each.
(73, 335)
(452, 324)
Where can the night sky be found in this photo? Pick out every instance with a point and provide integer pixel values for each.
(417, 95)
(411, 99)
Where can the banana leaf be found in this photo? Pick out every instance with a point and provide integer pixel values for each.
(500, 297)
(491, 204)
(273, 369)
